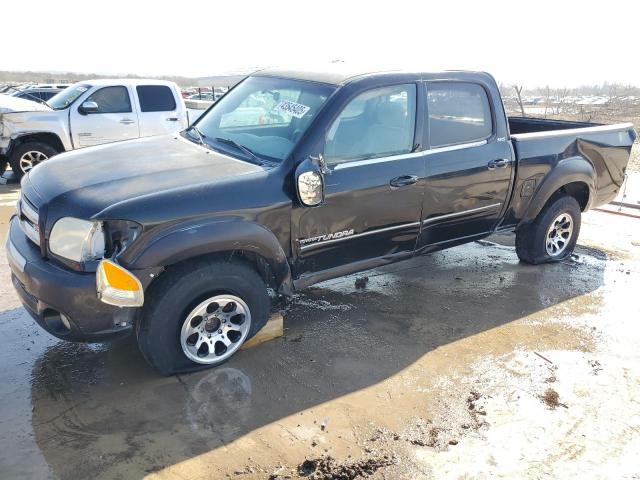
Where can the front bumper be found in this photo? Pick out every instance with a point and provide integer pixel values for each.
(47, 291)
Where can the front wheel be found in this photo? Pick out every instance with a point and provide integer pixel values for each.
(553, 235)
(28, 155)
(198, 314)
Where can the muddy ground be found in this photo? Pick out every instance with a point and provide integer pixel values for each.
(461, 364)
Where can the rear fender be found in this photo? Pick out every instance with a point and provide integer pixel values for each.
(568, 170)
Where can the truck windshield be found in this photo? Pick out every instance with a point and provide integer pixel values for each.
(67, 96)
(263, 116)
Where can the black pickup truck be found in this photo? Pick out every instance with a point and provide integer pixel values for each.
(291, 178)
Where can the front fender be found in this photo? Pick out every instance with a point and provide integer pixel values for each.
(210, 238)
(18, 125)
(568, 170)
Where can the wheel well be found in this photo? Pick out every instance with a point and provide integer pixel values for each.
(255, 261)
(50, 139)
(577, 190)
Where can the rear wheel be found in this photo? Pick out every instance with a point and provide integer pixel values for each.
(553, 235)
(198, 314)
(28, 155)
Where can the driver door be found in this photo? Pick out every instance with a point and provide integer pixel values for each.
(114, 120)
(374, 187)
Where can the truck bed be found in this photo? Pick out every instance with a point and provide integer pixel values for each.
(551, 152)
(520, 125)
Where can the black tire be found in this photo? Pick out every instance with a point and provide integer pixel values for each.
(44, 149)
(531, 238)
(176, 292)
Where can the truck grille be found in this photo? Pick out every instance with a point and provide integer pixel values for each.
(28, 217)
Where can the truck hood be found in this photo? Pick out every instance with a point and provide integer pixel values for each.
(13, 104)
(84, 182)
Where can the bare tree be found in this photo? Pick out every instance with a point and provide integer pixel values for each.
(547, 99)
(561, 97)
(518, 90)
(586, 116)
(619, 96)
(614, 94)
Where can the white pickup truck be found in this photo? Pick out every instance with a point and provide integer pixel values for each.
(86, 114)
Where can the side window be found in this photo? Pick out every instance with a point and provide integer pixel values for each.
(458, 113)
(376, 123)
(112, 100)
(156, 98)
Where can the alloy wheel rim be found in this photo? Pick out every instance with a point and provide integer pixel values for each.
(559, 234)
(30, 159)
(215, 329)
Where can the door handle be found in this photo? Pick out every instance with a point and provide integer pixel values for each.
(126, 121)
(499, 163)
(172, 119)
(403, 181)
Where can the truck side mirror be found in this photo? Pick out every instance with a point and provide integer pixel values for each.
(88, 107)
(310, 181)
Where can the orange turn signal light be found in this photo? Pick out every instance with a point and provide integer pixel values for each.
(118, 277)
(117, 286)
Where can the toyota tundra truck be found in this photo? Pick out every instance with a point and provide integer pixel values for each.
(292, 178)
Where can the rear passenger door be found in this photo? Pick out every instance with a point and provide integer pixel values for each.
(468, 169)
(159, 110)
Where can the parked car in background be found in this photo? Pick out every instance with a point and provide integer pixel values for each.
(15, 89)
(7, 88)
(293, 178)
(202, 96)
(41, 95)
(88, 113)
(54, 86)
(13, 104)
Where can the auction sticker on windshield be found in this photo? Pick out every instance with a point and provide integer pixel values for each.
(291, 108)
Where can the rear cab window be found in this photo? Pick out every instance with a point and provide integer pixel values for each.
(156, 98)
(458, 113)
(376, 123)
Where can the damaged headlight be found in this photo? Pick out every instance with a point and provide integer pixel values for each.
(77, 240)
(120, 234)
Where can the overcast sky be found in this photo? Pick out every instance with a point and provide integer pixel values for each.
(559, 42)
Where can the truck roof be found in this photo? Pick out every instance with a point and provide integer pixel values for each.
(341, 73)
